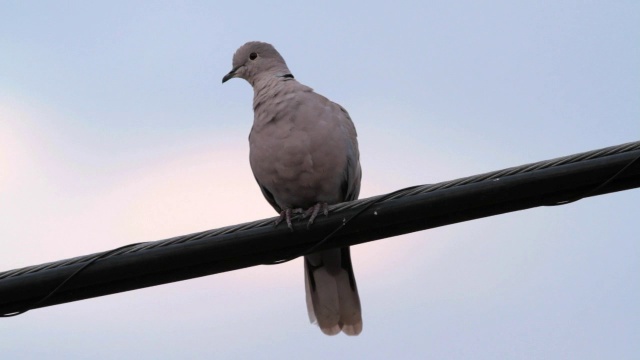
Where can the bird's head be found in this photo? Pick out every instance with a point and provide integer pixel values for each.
(255, 59)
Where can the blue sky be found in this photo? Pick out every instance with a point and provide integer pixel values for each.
(114, 129)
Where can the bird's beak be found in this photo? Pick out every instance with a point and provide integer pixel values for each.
(231, 74)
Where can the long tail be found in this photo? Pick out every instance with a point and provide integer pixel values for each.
(332, 295)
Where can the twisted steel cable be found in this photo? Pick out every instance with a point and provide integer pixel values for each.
(362, 203)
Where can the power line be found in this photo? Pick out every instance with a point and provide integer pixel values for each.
(551, 182)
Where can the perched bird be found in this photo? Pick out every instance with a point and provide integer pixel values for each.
(304, 156)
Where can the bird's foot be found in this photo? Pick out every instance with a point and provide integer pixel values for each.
(311, 212)
(314, 211)
(286, 215)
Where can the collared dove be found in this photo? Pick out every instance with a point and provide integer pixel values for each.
(304, 156)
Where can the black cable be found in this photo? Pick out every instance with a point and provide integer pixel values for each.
(594, 189)
(65, 281)
(526, 168)
(310, 249)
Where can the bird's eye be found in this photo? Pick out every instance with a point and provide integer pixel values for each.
(253, 56)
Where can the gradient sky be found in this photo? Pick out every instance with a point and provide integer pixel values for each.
(114, 129)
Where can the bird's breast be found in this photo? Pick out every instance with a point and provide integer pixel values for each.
(299, 162)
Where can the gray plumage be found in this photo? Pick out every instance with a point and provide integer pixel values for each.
(304, 156)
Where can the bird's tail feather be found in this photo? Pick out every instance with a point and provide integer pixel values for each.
(332, 295)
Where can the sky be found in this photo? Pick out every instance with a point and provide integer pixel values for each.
(115, 129)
